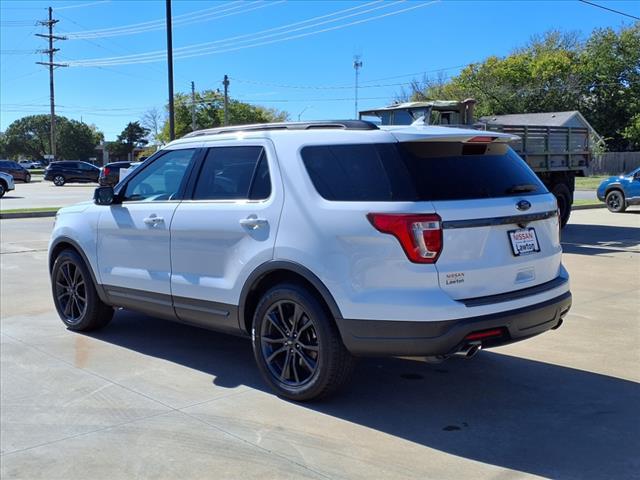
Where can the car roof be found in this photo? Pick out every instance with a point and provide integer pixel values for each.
(301, 133)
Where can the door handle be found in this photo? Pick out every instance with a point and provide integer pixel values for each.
(153, 220)
(253, 222)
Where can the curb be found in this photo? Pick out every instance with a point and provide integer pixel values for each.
(6, 216)
(588, 207)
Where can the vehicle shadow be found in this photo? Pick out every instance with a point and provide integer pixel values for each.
(11, 197)
(598, 239)
(515, 413)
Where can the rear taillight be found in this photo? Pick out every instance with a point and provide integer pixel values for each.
(419, 235)
(106, 171)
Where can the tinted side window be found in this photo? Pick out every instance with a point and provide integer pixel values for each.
(228, 173)
(358, 172)
(161, 180)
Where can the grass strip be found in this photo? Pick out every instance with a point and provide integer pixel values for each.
(30, 210)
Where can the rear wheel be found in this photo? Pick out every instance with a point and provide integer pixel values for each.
(27, 178)
(615, 201)
(563, 197)
(297, 345)
(75, 296)
(58, 180)
(2, 189)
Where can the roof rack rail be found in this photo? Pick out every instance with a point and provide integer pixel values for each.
(320, 124)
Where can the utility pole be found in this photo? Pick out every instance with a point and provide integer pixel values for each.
(51, 37)
(225, 82)
(357, 65)
(172, 131)
(193, 106)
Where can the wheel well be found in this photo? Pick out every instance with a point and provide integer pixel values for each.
(611, 189)
(59, 248)
(267, 281)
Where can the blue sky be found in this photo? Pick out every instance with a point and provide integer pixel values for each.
(427, 37)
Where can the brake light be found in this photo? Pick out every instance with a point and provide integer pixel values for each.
(481, 139)
(420, 235)
(106, 171)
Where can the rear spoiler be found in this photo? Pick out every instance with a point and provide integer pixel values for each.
(447, 134)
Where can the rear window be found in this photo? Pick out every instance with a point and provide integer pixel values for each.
(418, 171)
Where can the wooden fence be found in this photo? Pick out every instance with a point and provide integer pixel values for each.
(614, 163)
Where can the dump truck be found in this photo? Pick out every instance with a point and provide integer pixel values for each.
(557, 154)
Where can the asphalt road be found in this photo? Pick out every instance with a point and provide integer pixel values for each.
(146, 398)
(40, 194)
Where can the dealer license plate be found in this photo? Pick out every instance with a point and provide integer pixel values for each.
(524, 241)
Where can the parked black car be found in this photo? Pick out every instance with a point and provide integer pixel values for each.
(110, 173)
(69, 171)
(17, 171)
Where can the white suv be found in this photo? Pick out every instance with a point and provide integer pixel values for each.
(322, 241)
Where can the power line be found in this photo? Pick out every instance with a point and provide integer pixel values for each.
(248, 37)
(193, 18)
(196, 50)
(609, 9)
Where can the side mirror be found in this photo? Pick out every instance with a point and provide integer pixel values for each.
(103, 196)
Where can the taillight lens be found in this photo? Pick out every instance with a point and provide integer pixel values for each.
(106, 171)
(419, 235)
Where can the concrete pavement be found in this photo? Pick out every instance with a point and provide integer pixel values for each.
(146, 398)
(46, 194)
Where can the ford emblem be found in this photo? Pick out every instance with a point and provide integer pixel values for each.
(523, 205)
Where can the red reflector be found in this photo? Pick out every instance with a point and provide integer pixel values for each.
(420, 235)
(496, 332)
(481, 139)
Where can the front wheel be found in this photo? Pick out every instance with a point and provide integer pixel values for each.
(615, 201)
(297, 345)
(2, 190)
(27, 178)
(58, 180)
(75, 296)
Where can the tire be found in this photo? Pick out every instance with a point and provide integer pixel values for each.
(615, 201)
(27, 178)
(58, 180)
(563, 197)
(310, 364)
(3, 189)
(81, 310)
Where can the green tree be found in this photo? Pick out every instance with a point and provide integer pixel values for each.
(610, 67)
(29, 137)
(210, 113)
(556, 72)
(133, 136)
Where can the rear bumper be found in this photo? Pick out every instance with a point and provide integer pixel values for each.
(397, 338)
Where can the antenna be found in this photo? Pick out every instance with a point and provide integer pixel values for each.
(357, 65)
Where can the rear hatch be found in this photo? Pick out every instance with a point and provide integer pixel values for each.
(499, 223)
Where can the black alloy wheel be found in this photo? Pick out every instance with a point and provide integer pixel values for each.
(289, 343)
(71, 292)
(615, 201)
(297, 345)
(75, 296)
